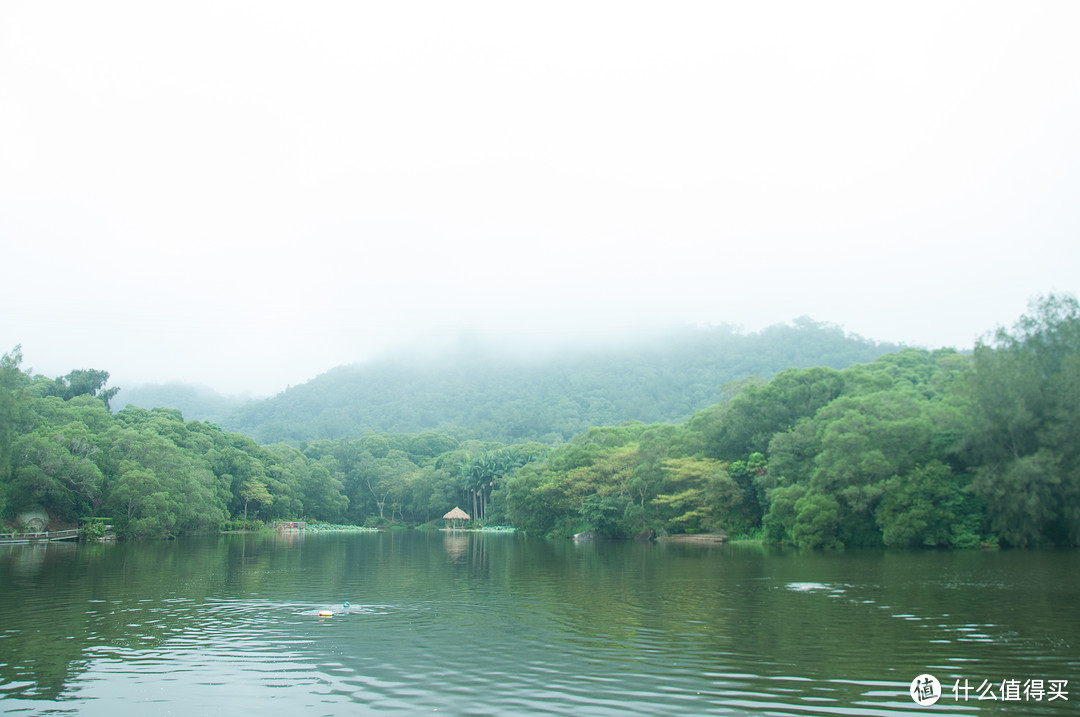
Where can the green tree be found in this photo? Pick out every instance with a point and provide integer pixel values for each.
(917, 509)
(817, 517)
(763, 410)
(1024, 390)
(12, 381)
(254, 490)
(48, 474)
(84, 381)
(700, 495)
(141, 503)
(780, 519)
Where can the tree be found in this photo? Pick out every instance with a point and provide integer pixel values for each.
(700, 495)
(485, 473)
(47, 473)
(917, 509)
(603, 514)
(1024, 389)
(133, 493)
(751, 476)
(791, 457)
(780, 519)
(763, 410)
(864, 441)
(84, 381)
(254, 490)
(323, 497)
(11, 382)
(817, 517)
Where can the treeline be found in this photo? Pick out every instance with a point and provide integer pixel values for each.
(151, 473)
(484, 394)
(917, 448)
(195, 401)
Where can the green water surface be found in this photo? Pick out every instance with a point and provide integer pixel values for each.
(467, 623)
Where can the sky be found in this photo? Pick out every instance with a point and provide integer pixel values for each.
(247, 194)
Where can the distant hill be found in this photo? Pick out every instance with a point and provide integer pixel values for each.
(496, 397)
(197, 403)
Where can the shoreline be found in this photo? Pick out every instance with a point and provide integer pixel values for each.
(694, 538)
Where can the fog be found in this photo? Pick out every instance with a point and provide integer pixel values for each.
(245, 195)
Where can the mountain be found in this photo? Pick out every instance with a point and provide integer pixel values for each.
(494, 395)
(196, 402)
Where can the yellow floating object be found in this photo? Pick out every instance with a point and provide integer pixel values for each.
(325, 613)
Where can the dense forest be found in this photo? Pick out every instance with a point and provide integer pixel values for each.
(488, 393)
(916, 448)
(195, 401)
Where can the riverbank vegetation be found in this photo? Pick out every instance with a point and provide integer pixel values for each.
(916, 448)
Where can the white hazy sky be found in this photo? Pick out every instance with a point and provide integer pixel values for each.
(246, 194)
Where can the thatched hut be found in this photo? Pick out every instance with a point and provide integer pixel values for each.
(456, 516)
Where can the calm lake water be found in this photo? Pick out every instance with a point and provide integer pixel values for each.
(504, 624)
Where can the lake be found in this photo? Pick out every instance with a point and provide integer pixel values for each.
(490, 624)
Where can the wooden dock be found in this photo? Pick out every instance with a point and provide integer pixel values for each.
(48, 536)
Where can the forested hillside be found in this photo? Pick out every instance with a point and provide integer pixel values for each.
(200, 403)
(664, 378)
(917, 448)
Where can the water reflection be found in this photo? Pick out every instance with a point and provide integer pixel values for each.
(31, 558)
(477, 624)
(456, 545)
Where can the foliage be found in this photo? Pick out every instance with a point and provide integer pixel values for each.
(241, 525)
(919, 449)
(93, 529)
(551, 400)
(916, 449)
(83, 382)
(702, 497)
(195, 402)
(1023, 442)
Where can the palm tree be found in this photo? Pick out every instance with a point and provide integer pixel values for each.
(483, 473)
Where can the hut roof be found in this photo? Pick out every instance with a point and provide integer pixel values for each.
(456, 514)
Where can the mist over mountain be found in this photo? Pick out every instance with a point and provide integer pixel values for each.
(195, 401)
(479, 392)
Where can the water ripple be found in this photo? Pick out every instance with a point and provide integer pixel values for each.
(582, 633)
